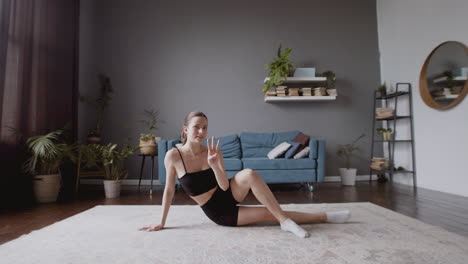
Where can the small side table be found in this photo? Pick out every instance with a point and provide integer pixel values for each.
(152, 170)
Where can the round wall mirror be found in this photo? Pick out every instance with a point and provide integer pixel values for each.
(443, 80)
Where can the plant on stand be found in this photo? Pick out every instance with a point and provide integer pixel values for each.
(148, 141)
(280, 69)
(47, 153)
(100, 103)
(348, 174)
(112, 159)
(385, 133)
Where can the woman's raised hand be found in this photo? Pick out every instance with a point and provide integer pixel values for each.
(151, 228)
(213, 152)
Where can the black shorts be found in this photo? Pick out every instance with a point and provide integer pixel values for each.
(222, 208)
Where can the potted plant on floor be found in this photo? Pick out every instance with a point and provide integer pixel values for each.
(48, 152)
(385, 133)
(148, 141)
(100, 103)
(113, 159)
(348, 174)
(280, 69)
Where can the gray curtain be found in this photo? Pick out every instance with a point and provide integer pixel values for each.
(38, 65)
(38, 82)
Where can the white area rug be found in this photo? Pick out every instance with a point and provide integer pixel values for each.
(109, 234)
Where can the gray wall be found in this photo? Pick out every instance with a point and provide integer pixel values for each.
(208, 55)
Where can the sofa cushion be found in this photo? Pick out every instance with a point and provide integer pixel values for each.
(264, 163)
(230, 146)
(259, 144)
(278, 150)
(232, 164)
(292, 150)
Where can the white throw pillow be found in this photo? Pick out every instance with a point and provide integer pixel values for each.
(178, 145)
(303, 153)
(279, 150)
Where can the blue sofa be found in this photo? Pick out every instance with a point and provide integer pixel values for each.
(249, 150)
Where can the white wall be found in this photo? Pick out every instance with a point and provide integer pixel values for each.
(408, 31)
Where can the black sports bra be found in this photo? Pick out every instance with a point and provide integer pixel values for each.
(196, 183)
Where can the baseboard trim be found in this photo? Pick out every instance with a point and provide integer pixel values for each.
(156, 182)
(358, 178)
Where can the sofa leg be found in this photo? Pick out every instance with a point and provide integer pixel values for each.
(311, 187)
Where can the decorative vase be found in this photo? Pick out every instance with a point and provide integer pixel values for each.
(348, 176)
(112, 188)
(148, 147)
(47, 187)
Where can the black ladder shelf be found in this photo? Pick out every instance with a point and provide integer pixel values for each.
(392, 142)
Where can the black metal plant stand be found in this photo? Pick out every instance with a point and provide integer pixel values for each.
(392, 142)
(152, 170)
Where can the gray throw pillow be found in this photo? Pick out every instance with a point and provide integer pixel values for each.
(292, 150)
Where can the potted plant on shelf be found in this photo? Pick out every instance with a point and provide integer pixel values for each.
(330, 83)
(148, 141)
(280, 69)
(348, 174)
(47, 153)
(385, 133)
(112, 159)
(100, 103)
(382, 89)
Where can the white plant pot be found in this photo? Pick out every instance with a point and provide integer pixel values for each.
(46, 187)
(348, 177)
(112, 188)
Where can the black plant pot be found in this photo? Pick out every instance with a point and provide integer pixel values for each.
(67, 190)
(16, 187)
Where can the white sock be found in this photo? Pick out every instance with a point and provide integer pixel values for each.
(338, 217)
(291, 226)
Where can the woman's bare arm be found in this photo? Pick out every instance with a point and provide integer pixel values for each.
(169, 189)
(168, 194)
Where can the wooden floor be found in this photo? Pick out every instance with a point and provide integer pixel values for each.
(436, 208)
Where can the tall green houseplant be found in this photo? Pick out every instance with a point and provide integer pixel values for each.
(280, 69)
(100, 103)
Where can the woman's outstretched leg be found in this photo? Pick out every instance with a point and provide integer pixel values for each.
(248, 179)
(251, 215)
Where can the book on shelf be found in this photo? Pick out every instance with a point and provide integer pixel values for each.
(293, 91)
(319, 91)
(270, 93)
(384, 112)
